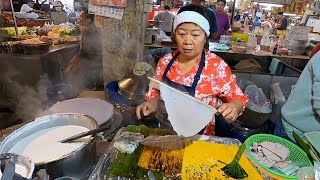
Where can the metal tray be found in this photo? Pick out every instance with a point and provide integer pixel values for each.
(103, 167)
(36, 48)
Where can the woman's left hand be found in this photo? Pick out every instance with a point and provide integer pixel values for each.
(230, 111)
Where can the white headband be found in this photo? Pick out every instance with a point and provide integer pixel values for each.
(192, 17)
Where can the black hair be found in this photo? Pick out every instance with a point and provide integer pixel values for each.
(280, 13)
(200, 10)
(167, 7)
(224, 1)
(194, 8)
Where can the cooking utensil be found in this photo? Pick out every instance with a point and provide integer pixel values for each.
(135, 84)
(187, 115)
(75, 164)
(234, 169)
(98, 109)
(84, 134)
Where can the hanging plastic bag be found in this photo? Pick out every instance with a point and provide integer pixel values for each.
(265, 40)
(252, 43)
(258, 102)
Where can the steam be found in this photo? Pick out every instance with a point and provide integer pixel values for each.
(26, 101)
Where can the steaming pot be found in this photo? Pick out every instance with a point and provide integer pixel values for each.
(75, 164)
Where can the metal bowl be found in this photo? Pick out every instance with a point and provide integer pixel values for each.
(253, 119)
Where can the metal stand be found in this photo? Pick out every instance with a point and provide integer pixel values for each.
(14, 19)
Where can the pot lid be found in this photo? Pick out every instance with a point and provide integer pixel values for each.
(98, 109)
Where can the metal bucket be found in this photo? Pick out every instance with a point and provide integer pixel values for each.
(75, 164)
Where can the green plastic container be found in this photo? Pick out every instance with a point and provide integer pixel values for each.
(297, 155)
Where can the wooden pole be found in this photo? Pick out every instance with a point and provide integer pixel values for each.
(233, 9)
(14, 19)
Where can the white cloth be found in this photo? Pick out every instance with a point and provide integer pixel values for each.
(269, 153)
(23, 15)
(192, 17)
(25, 8)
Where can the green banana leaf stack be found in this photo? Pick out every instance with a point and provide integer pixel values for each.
(311, 147)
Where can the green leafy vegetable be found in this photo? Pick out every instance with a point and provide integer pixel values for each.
(234, 169)
(126, 165)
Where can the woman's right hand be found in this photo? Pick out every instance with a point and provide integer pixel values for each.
(147, 107)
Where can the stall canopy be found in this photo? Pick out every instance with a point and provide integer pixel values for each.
(281, 2)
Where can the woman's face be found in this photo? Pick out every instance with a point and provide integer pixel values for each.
(58, 8)
(190, 39)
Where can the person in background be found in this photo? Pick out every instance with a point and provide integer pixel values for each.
(282, 22)
(37, 5)
(167, 18)
(223, 21)
(229, 13)
(301, 112)
(210, 14)
(28, 8)
(197, 71)
(257, 22)
(237, 16)
(84, 70)
(16, 5)
(58, 17)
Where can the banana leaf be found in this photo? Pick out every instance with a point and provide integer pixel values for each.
(144, 130)
(302, 144)
(170, 142)
(126, 165)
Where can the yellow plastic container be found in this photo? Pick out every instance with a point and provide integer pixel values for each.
(244, 37)
(11, 30)
(282, 32)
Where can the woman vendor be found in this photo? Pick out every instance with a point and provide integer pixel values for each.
(197, 71)
(58, 17)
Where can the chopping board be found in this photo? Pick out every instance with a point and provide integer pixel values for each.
(98, 109)
(187, 115)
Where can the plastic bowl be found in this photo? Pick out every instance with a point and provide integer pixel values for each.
(238, 48)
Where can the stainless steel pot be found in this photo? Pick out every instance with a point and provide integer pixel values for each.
(75, 164)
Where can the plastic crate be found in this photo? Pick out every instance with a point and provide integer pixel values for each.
(279, 67)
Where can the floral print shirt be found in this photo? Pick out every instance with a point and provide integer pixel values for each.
(216, 82)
